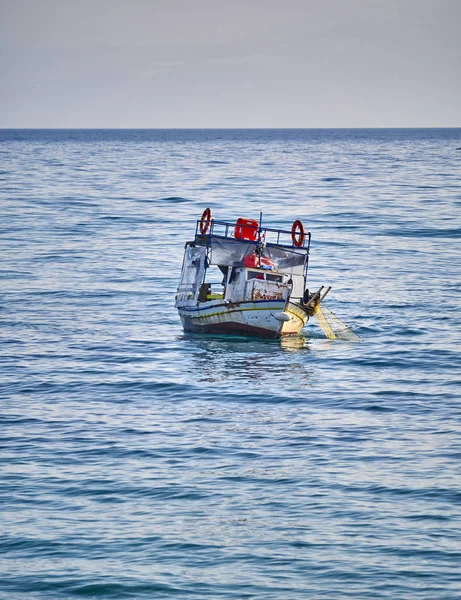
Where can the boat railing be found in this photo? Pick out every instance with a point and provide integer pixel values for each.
(253, 234)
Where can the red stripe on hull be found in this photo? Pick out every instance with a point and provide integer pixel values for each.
(232, 328)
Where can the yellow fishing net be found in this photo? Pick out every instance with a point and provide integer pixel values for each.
(333, 327)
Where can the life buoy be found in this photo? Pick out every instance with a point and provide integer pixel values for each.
(297, 233)
(205, 221)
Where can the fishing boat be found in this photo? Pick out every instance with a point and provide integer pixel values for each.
(243, 278)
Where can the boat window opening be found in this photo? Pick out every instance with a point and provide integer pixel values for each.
(255, 275)
(214, 282)
(216, 275)
(271, 277)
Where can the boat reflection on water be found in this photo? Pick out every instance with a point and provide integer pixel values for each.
(231, 361)
(294, 343)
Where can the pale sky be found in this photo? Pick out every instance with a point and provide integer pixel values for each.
(230, 63)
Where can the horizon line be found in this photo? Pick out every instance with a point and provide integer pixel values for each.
(221, 128)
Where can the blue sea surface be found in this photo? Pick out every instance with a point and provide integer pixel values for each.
(140, 462)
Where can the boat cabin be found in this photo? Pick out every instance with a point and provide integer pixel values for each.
(238, 264)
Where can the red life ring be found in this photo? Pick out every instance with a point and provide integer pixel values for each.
(297, 233)
(205, 221)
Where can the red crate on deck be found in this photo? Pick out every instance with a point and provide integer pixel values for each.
(246, 229)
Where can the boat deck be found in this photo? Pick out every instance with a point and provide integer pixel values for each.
(281, 238)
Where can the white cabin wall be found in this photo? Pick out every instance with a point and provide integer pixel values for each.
(235, 291)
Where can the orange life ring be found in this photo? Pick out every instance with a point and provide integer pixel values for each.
(205, 221)
(297, 233)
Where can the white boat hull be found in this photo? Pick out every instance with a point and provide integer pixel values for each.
(265, 318)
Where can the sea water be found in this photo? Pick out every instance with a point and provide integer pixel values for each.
(140, 462)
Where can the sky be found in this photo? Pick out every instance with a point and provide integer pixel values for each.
(230, 63)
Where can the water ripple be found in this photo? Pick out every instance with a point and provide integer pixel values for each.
(140, 462)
